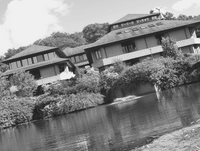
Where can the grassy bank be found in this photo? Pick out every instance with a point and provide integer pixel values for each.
(186, 139)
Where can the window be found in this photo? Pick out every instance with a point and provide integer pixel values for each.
(98, 54)
(25, 62)
(159, 38)
(128, 47)
(84, 57)
(135, 29)
(19, 64)
(46, 57)
(142, 27)
(72, 59)
(160, 23)
(10, 66)
(40, 58)
(119, 33)
(81, 57)
(35, 60)
(154, 17)
(127, 31)
(14, 65)
(51, 55)
(151, 25)
(30, 62)
(77, 58)
(55, 55)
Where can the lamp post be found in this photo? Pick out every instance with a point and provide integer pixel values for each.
(151, 53)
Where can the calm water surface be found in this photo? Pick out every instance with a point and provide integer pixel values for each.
(115, 127)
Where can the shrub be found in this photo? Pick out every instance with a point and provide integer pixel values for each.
(108, 79)
(170, 49)
(56, 105)
(164, 72)
(25, 83)
(4, 87)
(89, 82)
(15, 111)
(80, 101)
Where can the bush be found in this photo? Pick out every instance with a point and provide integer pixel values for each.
(57, 105)
(15, 111)
(4, 87)
(87, 82)
(108, 79)
(80, 101)
(170, 49)
(164, 72)
(25, 82)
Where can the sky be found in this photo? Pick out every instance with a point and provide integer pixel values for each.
(22, 22)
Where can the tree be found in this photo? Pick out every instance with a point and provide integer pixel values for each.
(170, 49)
(12, 52)
(182, 17)
(93, 32)
(169, 16)
(4, 86)
(62, 40)
(3, 67)
(25, 82)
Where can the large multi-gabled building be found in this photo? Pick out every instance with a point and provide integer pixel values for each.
(137, 36)
(45, 63)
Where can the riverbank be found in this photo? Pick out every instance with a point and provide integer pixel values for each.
(185, 139)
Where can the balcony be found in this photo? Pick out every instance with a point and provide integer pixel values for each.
(142, 53)
(188, 42)
(48, 80)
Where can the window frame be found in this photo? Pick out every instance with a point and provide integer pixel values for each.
(129, 46)
(98, 54)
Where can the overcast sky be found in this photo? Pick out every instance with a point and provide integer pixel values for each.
(24, 21)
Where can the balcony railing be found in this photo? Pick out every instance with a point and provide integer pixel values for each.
(48, 80)
(188, 42)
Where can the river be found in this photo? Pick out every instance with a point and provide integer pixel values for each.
(114, 127)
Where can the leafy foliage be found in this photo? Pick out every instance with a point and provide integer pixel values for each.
(93, 32)
(12, 52)
(170, 49)
(4, 87)
(25, 83)
(15, 111)
(164, 72)
(62, 40)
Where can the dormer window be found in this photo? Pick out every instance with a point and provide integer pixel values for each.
(135, 29)
(143, 27)
(119, 33)
(159, 24)
(151, 25)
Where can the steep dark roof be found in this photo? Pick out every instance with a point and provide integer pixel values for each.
(74, 51)
(38, 65)
(133, 17)
(34, 49)
(141, 30)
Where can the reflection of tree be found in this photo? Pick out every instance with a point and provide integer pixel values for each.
(114, 119)
(184, 99)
